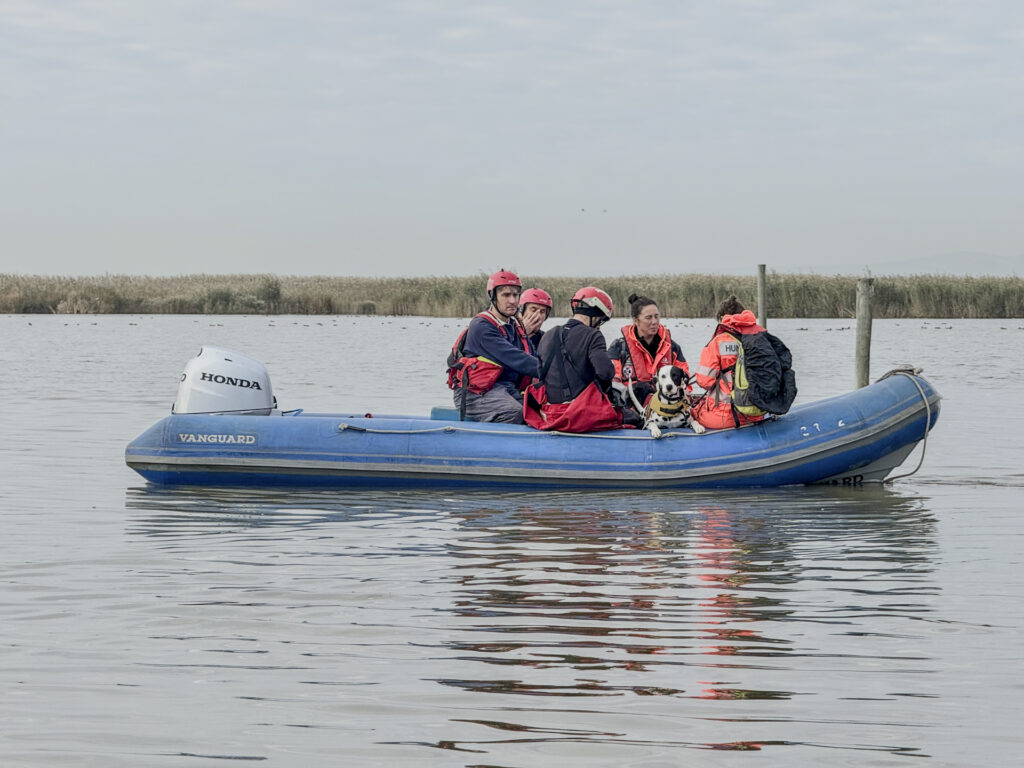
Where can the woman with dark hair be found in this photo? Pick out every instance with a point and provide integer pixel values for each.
(644, 346)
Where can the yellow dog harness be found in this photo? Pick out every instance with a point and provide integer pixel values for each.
(668, 411)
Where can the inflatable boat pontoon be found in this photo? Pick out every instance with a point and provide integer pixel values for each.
(857, 437)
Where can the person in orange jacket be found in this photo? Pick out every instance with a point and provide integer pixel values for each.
(717, 360)
(643, 348)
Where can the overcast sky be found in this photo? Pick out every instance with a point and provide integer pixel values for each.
(552, 137)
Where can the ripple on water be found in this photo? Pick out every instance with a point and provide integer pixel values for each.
(665, 608)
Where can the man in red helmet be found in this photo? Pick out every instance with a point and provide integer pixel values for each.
(493, 361)
(534, 308)
(576, 371)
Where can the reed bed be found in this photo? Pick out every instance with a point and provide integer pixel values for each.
(693, 295)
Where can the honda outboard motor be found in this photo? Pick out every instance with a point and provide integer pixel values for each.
(221, 381)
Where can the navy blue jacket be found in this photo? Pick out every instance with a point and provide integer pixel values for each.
(485, 340)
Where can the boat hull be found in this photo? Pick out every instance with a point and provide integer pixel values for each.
(857, 437)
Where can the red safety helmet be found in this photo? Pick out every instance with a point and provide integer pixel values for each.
(593, 302)
(536, 296)
(500, 278)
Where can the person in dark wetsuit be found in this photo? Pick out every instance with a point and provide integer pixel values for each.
(576, 372)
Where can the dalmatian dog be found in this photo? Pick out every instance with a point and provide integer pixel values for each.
(669, 406)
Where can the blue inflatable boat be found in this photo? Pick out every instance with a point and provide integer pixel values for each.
(858, 437)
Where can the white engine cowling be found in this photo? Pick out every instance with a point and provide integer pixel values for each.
(222, 381)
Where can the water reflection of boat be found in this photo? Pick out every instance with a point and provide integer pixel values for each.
(557, 609)
(709, 591)
(852, 438)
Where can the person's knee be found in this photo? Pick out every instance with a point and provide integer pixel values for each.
(509, 411)
(712, 418)
(507, 417)
(506, 407)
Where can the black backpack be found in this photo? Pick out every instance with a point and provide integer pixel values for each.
(763, 377)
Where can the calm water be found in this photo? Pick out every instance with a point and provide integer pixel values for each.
(798, 627)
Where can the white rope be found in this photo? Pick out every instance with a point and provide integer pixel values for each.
(641, 434)
(644, 435)
(911, 373)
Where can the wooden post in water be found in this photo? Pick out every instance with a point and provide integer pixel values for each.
(865, 290)
(762, 300)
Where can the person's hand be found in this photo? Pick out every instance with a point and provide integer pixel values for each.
(533, 318)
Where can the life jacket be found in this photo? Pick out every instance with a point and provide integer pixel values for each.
(762, 377)
(668, 410)
(479, 374)
(639, 365)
